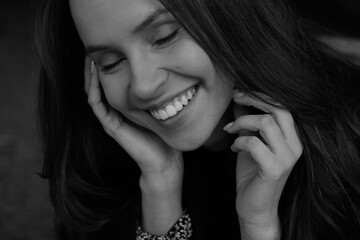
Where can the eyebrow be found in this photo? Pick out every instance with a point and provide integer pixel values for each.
(141, 27)
(150, 19)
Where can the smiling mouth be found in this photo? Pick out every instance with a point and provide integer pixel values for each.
(175, 106)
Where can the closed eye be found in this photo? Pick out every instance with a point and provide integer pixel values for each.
(167, 39)
(108, 67)
(159, 43)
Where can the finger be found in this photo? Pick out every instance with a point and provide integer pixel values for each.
(88, 69)
(257, 149)
(267, 127)
(127, 135)
(94, 97)
(110, 119)
(282, 117)
(248, 100)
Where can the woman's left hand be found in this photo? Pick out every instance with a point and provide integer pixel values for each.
(263, 164)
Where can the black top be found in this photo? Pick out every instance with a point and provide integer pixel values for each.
(209, 192)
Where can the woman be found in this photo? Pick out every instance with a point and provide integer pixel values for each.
(222, 119)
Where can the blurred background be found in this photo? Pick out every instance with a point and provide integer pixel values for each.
(25, 210)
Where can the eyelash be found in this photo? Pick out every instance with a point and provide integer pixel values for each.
(157, 43)
(108, 67)
(168, 38)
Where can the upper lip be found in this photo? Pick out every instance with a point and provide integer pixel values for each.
(159, 104)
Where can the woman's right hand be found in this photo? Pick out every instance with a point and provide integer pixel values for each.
(149, 151)
(161, 166)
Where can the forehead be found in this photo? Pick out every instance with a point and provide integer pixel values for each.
(99, 19)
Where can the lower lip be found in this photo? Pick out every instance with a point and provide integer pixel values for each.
(182, 113)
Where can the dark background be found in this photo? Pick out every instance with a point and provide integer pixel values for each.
(25, 211)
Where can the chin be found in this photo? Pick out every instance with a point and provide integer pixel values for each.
(189, 143)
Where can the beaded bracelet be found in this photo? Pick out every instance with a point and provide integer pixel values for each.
(182, 230)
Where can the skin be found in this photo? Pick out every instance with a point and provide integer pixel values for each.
(149, 73)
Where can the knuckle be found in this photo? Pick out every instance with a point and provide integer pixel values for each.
(266, 121)
(90, 101)
(239, 120)
(288, 115)
(298, 150)
(295, 148)
(277, 111)
(253, 142)
(238, 142)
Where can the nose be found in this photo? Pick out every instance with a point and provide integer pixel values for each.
(147, 79)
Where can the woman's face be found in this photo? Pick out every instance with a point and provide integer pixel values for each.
(152, 71)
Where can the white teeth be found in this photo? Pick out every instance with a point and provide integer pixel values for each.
(174, 107)
(184, 100)
(189, 95)
(157, 115)
(170, 110)
(163, 115)
(178, 106)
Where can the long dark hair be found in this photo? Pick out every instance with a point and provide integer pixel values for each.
(92, 181)
(261, 46)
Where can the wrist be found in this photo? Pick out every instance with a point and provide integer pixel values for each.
(260, 228)
(166, 180)
(160, 212)
(161, 193)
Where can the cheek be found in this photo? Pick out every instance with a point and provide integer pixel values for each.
(191, 59)
(194, 62)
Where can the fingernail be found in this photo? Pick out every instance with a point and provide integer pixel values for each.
(92, 67)
(228, 126)
(237, 93)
